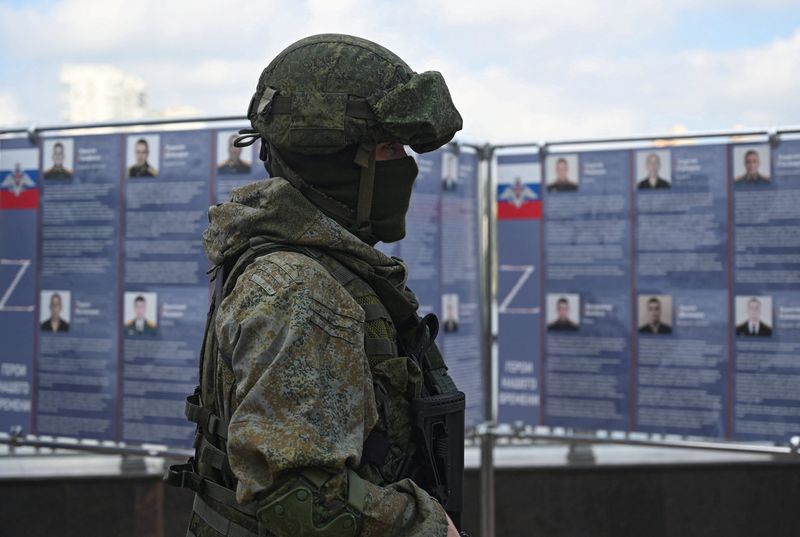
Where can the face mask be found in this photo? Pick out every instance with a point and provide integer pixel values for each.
(337, 177)
(391, 196)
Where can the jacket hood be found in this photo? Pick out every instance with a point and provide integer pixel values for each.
(275, 210)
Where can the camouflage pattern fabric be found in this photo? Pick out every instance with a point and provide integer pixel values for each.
(321, 74)
(302, 394)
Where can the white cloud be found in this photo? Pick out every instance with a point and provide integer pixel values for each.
(146, 28)
(10, 110)
(519, 71)
(561, 21)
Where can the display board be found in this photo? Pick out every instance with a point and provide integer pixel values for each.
(765, 300)
(103, 284)
(519, 274)
(666, 298)
(19, 220)
(442, 251)
(642, 288)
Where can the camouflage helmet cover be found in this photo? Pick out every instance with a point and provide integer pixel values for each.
(327, 92)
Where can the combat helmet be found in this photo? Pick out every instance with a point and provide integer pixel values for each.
(326, 93)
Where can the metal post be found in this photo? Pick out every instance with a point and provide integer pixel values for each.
(580, 453)
(487, 485)
(132, 465)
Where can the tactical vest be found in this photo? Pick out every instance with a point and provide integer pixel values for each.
(393, 450)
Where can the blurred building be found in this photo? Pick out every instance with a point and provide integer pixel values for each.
(178, 111)
(97, 92)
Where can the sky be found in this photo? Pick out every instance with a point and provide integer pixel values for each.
(519, 71)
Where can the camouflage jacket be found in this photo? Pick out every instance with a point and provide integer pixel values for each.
(302, 394)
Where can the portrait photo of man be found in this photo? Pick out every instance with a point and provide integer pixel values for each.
(60, 152)
(652, 168)
(751, 164)
(56, 312)
(559, 179)
(563, 313)
(229, 157)
(140, 312)
(142, 151)
(655, 313)
(753, 316)
(449, 172)
(450, 311)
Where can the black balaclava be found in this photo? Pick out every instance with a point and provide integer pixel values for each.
(337, 176)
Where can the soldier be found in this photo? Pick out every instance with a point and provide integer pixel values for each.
(451, 314)
(141, 168)
(562, 321)
(449, 177)
(754, 326)
(562, 182)
(313, 352)
(140, 325)
(653, 180)
(234, 163)
(654, 324)
(55, 323)
(57, 170)
(751, 174)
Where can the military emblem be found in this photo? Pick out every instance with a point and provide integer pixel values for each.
(17, 181)
(19, 188)
(518, 193)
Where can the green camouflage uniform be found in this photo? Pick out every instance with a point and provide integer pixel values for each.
(302, 364)
(302, 391)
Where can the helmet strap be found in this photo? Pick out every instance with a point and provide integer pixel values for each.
(331, 207)
(365, 159)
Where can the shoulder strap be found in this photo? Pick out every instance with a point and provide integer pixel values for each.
(227, 273)
(375, 345)
(232, 269)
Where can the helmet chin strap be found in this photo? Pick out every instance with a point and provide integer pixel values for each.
(357, 222)
(331, 207)
(365, 159)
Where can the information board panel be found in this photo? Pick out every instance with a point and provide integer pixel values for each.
(765, 303)
(78, 331)
(669, 301)
(519, 283)
(442, 251)
(19, 204)
(103, 284)
(681, 291)
(586, 297)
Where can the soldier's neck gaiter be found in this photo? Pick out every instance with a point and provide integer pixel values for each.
(337, 177)
(394, 180)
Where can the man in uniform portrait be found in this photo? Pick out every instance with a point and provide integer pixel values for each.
(654, 323)
(140, 325)
(754, 326)
(234, 163)
(141, 168)
(450, 176)
(653, 165)
(562, 183)
(751, 175)
(562, 321)
(450, 323)
(57, 170)
(55, 323)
